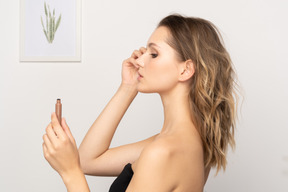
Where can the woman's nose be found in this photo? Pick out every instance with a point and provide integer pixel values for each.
(140, 61)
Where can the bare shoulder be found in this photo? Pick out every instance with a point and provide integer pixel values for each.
(170, 163)
(151, 172)
(171, 147)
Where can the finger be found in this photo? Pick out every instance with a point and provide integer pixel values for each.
(51, 134)
(143, 50)
(57, 127)
(44, 147)
(131, 62)
(134, 63)
(45, 150)
(136, 54)
(46, 153)
(67, 130)
(54, 120)
(47, 145)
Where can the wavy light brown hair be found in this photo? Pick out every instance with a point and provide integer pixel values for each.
(213, 88)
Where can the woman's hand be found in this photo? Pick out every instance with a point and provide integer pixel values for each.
(60, 148)
(130, 67)
(61, 152)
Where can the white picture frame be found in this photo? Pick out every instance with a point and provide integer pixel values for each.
(50, 30)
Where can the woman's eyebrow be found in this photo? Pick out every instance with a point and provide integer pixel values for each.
(153, 44)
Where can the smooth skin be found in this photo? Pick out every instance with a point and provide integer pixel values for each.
(169, 161)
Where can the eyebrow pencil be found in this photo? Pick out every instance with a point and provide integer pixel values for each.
(58, 110)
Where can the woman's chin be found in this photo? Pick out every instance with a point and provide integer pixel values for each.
(142, 89)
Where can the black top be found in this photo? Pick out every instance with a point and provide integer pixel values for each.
(122, 181)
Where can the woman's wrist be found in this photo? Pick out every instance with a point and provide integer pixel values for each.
(75, 180)
(128, 89)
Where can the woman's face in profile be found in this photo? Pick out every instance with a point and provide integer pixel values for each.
(159, 65)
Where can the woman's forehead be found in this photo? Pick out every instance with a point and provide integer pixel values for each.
(158, 37)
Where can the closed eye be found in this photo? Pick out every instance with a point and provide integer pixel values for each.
(154, 55)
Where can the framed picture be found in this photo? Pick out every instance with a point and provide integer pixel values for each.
(50, 30)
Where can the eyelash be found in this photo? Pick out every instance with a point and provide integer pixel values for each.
(154, 55)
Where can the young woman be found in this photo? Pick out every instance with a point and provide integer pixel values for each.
(186, 63)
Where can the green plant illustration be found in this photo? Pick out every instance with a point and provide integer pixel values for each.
(51, 26)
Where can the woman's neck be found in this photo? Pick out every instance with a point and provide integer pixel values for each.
(176, 106)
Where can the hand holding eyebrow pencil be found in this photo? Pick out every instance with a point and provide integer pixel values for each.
(61, 152)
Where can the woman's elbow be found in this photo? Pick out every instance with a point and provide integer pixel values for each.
(84, 162)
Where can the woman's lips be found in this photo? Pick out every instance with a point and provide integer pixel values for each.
(140, 76)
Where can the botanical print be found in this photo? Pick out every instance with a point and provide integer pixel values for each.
(50, 30)
(51, 27)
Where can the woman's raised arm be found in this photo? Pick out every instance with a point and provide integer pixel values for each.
(95, 156)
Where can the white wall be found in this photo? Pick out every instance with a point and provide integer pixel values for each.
(255, 33)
